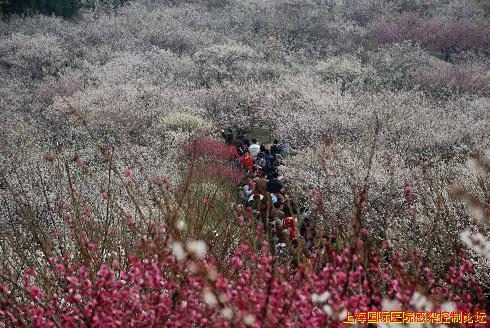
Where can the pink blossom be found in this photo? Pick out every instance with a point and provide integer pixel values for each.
(35, 292)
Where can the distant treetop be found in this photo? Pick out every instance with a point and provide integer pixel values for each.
(64, 8)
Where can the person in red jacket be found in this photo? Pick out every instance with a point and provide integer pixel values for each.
(289, 223)
(232, 150)
(246, 161)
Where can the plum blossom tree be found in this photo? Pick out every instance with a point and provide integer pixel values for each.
(463, 78)
(50, 7)
(485, 6)
(129, 220)
(347, 71)
(152, 272)
(435, 34)
(220, 63)
(395, 65)
(33, 56)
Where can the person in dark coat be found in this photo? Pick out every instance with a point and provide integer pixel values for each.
(275, 148)
(274, 186)
(269, 170)
(268, 156)
(227, 135)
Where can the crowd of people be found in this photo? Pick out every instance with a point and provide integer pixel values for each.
(264, 195)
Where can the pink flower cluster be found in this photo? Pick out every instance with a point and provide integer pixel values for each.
(212, 157)
(220, 172)
(252, 289)
(210, 148)
(434, 34)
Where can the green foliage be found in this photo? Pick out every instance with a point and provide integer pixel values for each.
(347, 70)
(261, 134)
(485, 5)
(106, 5)
(185, 122)
(64, 8)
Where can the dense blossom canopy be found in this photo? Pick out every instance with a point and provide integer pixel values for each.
(118, 203)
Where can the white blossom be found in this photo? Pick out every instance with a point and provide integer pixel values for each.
(420, 302)
(328, 310)
(209, 298)
(197, 247)
(322, 298)
(178, 250)
(249, 319)
(476, 242)
(226, 313)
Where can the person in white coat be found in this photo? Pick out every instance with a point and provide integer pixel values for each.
(254, 149)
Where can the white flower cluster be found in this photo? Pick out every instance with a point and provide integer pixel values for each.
(33, 55)
(476, 242)
(420, 302)
(185, 122)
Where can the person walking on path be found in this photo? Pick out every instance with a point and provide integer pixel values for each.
(275, 148)
(254, 149)
(246, 161)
